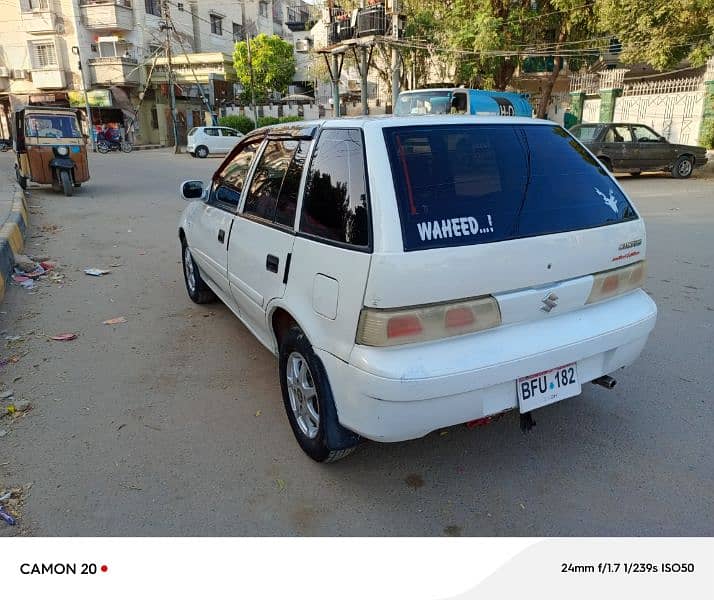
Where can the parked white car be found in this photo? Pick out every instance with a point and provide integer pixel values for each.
(419, 272)
(203, 141)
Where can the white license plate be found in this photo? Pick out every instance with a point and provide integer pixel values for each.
(547, 387)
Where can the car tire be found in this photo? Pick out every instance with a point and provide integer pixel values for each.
(683, 167)
(308, 399)
(201, 152)
(22, 181)
(196, 287)
(66, 181)
(606, 163)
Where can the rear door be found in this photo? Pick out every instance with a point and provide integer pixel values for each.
(617, 144)
(212, 139)
(229, 138)
(514, 211)
(263, 232)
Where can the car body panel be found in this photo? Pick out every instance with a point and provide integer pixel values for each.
(252, 285)
(405, 392)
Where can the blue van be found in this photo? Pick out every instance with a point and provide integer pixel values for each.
(462, 101)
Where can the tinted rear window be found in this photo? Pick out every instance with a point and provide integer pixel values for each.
(472, 184)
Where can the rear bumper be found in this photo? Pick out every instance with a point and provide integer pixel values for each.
(395, 394)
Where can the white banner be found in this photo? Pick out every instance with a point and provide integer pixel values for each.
(356, 569)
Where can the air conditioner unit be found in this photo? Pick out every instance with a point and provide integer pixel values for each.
(302, 45)
(19, 74)
(4, 72)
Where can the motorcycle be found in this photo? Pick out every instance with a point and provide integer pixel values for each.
(112, 143)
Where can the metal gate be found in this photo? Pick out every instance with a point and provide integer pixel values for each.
(591, 110)
(675, 115)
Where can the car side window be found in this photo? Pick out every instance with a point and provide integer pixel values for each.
(212, 131)
(335, 201)
(229, 132)
(287, 200)
(644, 134)
(621, 134)
(235, 172)
(265, 186)
(224, 197)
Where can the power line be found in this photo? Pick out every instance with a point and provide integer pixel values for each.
(527, 53)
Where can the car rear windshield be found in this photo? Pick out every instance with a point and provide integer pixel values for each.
(473, 184)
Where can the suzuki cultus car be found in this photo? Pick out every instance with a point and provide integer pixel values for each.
(412, 273)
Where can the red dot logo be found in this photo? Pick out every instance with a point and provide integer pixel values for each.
(104, 568)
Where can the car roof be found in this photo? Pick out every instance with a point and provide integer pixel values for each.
(612, 124)
(442, 89)
(383, 121)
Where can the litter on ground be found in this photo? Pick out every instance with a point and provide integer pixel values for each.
(64, 337)
(115, 321)
(94, 272)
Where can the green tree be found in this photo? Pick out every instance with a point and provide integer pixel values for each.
(660, 32)
(571, 25)
(273, 65)
(491, 29)
(426, 22)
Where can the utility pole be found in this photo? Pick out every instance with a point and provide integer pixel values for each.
(250, 64)
(166, 26)
(395, 54)
(90, 125)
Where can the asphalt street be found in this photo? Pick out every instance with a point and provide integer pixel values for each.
(172, 423)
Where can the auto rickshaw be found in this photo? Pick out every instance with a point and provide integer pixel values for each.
(50, 148)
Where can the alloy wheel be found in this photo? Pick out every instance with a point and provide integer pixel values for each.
(188, 269)
(685, 168)
(303, 395)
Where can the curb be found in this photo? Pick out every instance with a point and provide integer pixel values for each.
(12, 236)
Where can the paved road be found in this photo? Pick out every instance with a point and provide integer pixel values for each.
(150, 428)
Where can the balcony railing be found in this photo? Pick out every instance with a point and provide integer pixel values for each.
(124, 3)
(114, 70)
(107, 14)
(49, 78)
(40, 20)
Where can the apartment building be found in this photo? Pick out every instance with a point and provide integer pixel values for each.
(121, 47)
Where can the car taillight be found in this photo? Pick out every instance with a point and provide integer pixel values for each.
(390, 327)
(607, 284)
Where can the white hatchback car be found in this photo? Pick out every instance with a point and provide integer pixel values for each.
(203, 141)
(419, 272)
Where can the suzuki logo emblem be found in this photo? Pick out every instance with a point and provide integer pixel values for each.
(549, 302)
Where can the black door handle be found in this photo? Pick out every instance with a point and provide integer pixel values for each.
(271, 263)
(221, 235)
